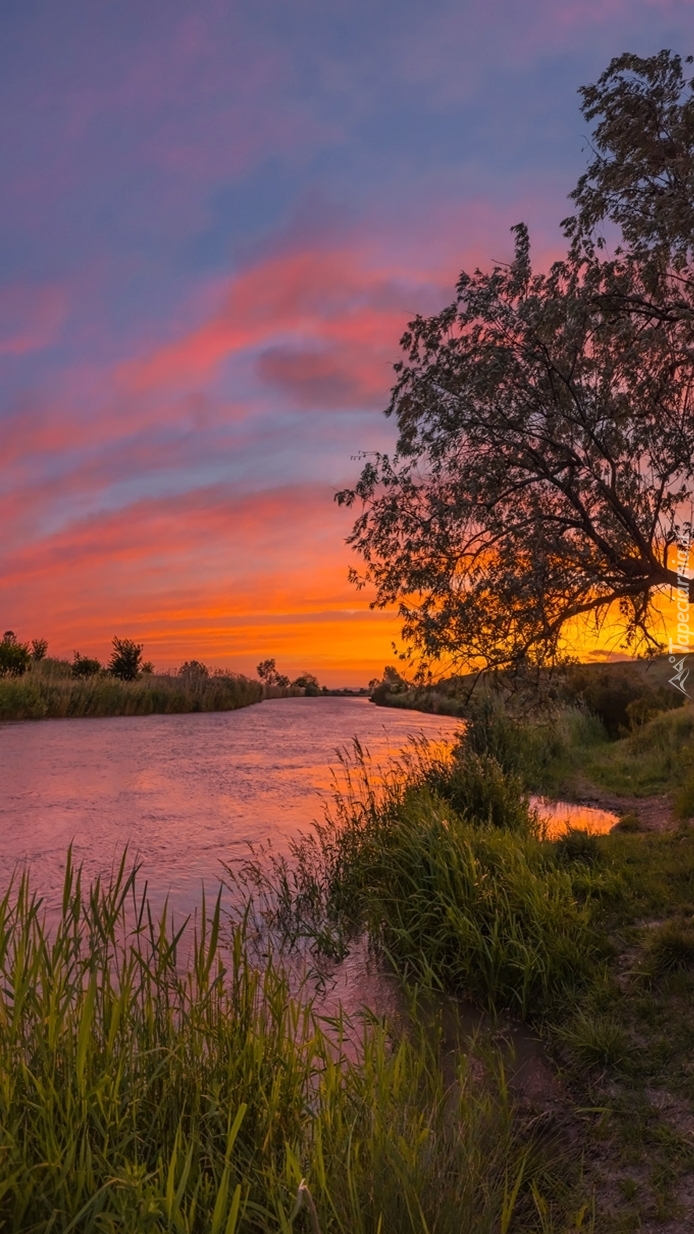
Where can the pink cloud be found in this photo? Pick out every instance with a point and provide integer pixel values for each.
(306, 311)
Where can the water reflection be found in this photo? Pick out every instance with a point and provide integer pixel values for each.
(559, 816)
(185, 792)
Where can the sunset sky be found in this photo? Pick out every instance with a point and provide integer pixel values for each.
(215, 221)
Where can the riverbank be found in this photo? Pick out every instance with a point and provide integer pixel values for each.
(588, 939)
(619, 693)
(50, 691)
(147, 1085)
(580, 951)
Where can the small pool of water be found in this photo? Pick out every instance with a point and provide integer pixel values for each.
(560, 816)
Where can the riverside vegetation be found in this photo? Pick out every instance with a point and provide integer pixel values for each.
(588, 938)
(36, 687)
(51, 689)
(150, 1082)
(157, 1079)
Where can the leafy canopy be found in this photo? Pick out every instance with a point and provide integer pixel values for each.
(543, 468)
(126, 659)
(14, 656)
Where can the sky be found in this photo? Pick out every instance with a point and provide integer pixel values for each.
(216, 220)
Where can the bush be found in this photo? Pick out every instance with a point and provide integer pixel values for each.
(538, 750)
(622, 702)
(309, 684)
(39, 649)
(14, 656)
(670, 948)
(596, 1041)
(470, 907)
(480, 791)
(125, 659)
(475, 910)
(193, 670)
(83, 666)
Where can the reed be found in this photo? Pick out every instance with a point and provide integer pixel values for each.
(151, 1079)
(50, 692)
(458, 890)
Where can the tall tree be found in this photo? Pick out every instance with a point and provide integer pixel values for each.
(544, 463)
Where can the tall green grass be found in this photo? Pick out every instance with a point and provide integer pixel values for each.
(542, 750)
(548, 751)
(48, 691)
(443, 863)
(154, 1081)
(656, 758)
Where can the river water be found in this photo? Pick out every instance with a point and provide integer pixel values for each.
(188, 792)
(184, 792)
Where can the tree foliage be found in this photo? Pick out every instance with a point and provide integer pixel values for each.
(544, 461)
(309, 683)
(641, 177)
(193, 670)
(14, 656)
(267, 672)
(85, 666)
(126, 658)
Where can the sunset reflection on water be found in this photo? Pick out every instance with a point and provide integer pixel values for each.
(184, 792)
(558, 817)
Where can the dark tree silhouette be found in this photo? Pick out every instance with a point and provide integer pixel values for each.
(126, 659)
(193, 670)
(14, 656)
(544, 463)
(84, 666)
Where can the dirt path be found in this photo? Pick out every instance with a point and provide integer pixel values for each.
(654, 813)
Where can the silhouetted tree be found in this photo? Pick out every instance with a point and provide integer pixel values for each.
(194, 670)
(14, 656)
(84, 666)
(39, 648)
(125, 662)
(309, 684)
(544, 465)
(267, 672)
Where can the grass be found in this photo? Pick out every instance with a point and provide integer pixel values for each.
(445, 867)
(657, 758)
(590, 938)
(566, 751)
(49, 691)
(154, 1081)
(150, 1084)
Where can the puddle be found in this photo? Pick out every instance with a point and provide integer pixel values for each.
(559, 816)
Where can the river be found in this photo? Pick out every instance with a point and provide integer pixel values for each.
(184, 792)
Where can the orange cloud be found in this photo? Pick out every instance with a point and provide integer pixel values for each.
(208, 574)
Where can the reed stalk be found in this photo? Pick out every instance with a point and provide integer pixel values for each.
(153, 1079)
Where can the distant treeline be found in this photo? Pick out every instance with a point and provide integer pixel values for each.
(34, 686)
